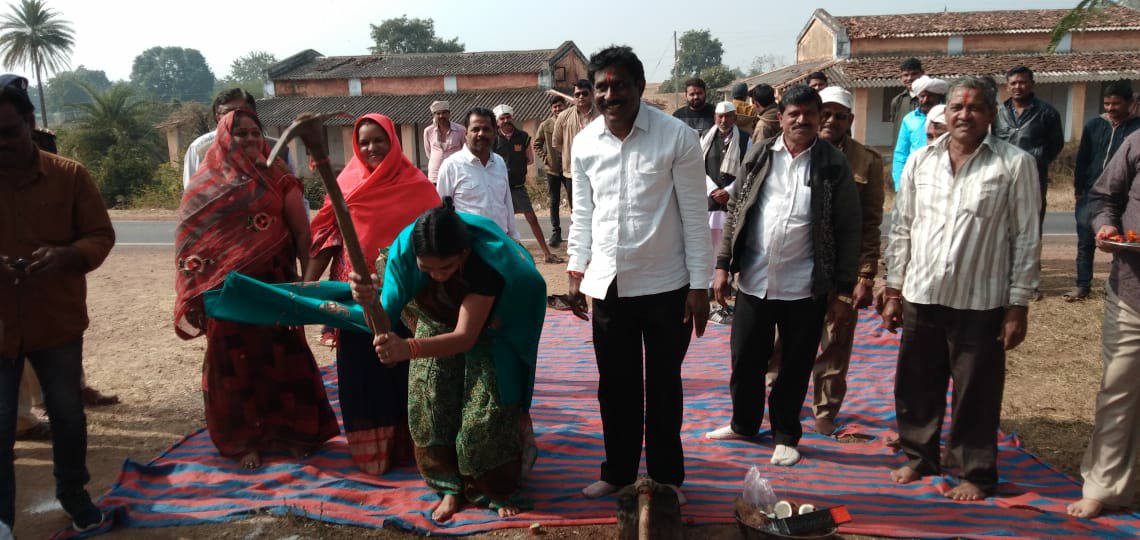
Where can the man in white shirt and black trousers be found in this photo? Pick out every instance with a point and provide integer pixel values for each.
(962, 265)
(476, 178)
(793, 237)
(639, 246)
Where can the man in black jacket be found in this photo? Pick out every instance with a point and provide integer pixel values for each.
(1030, 124)
(793, 237)
(1099, 140)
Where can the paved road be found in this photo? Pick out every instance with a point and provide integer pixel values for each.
(161, 233)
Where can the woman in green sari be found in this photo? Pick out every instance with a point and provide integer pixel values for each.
(479, 303)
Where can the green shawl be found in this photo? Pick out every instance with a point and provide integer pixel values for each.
(516, 320)
(513, 329)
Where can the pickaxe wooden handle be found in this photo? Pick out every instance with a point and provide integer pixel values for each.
(309, 128)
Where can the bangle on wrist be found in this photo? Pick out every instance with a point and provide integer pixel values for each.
(575, 274)
(413, 348)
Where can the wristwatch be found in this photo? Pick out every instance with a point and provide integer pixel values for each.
(845, 298)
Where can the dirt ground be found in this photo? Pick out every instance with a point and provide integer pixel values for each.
(131, 350)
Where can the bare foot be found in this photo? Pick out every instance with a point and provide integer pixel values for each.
(905, 475)
(446, 508)
(1086, 508)
(508, 511)
(251, 460)
(825, 426)
(966, 491)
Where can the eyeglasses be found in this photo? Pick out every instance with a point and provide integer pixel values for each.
(581, 94)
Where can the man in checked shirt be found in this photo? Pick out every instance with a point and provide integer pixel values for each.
(962, 264)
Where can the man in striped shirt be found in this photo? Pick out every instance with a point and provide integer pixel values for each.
(962, 264)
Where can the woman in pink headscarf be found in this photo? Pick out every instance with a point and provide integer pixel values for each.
(385, 193)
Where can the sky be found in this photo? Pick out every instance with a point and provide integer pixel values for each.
(109, 35)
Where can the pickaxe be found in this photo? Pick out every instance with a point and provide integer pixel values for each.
(309, 128)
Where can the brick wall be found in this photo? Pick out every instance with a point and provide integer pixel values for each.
(883, 47)
(402, 86)
(469, 83)
(574, 69)
(818, 43)
(318, 88)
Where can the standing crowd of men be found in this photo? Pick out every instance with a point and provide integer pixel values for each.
(766, 205)
(795, 224)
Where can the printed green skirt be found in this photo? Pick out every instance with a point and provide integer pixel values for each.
(467, 442)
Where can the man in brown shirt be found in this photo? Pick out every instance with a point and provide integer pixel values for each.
(556, 180)
(764, 107)
(572, 120)
(54, 229)
(830, 372)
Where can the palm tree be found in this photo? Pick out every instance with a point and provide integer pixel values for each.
(1081, 14)
(35, 36)
(113, 117)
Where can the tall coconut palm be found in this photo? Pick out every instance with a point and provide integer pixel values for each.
(35, 36)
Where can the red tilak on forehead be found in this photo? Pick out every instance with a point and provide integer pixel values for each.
(609, 77)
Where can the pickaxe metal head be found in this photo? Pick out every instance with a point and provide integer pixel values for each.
(308, 126)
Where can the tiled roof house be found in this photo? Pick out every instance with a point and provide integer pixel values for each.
(402, 86)
(862, 53)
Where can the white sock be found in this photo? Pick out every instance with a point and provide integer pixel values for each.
(785, 456)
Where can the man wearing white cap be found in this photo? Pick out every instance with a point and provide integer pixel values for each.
(912, 133)
(724, 149)
(513, 145)
(830, 371)
(442, 138)
(935, 123)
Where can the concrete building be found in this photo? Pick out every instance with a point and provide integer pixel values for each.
(862, 54)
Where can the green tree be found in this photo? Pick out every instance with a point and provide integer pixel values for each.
(67, 87)
(1081, 15)
(36, 37)
(697, 50)
(765, 63)
(248, 72)
(173, 73)
(115, 137)
(251, 67)
(404, 35)
(718, 76)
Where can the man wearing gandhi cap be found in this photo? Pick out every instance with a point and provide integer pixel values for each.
(830, 370)
(442, 138)
(513, 145)
(723, 148)
(912, 133)
(935, 123)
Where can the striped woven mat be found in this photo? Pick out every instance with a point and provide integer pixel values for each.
(190, 483)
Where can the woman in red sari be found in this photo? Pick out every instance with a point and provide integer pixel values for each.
(262, 387)
(385, 193)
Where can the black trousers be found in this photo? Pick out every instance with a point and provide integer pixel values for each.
(940, 344)
(754, 327)
(622, 327)
(554, 184)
